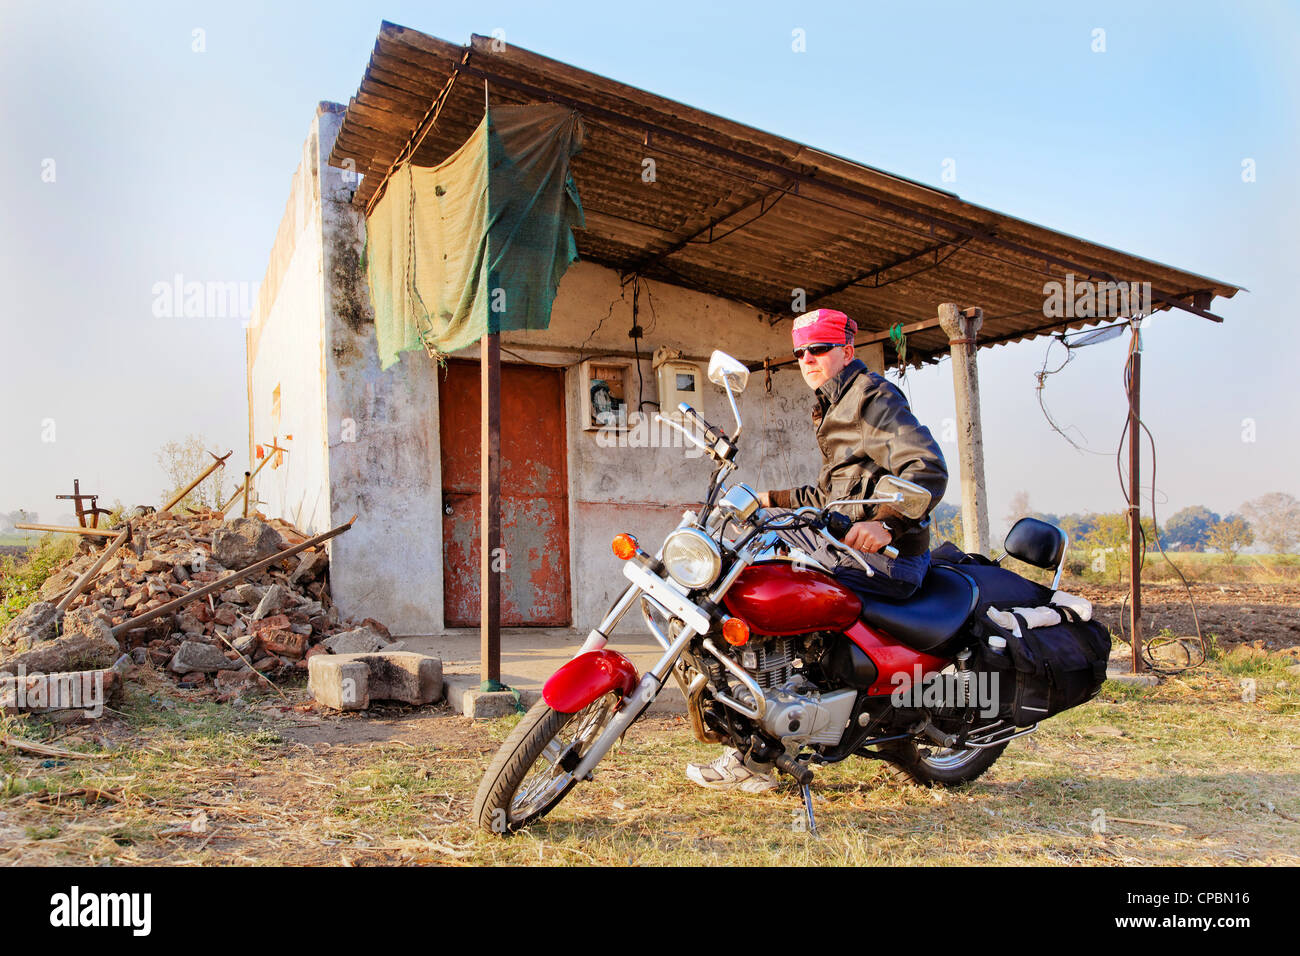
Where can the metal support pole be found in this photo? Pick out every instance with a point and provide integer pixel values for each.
(490, 497)
(1134, 495)
(962, 329)
(248, 478)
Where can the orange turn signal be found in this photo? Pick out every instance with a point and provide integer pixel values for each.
(735, 631)
(624, 546)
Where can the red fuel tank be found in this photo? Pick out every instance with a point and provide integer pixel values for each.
(774, 598)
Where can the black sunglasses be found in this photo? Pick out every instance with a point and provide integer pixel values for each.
(817, 348)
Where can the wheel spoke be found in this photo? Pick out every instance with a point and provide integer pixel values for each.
(546, 780)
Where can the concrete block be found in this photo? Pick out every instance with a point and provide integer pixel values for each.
(339, 682)
(352, 681)
(464, 696)
(482, 704)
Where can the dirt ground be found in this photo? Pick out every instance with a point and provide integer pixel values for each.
(1262, 615)
(1193, 771)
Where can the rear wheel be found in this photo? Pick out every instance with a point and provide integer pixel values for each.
(533, 770)
(929, 765)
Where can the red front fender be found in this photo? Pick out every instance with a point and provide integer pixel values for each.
(588, 677)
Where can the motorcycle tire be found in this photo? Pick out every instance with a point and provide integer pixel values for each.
(927, 766)
(522, 783)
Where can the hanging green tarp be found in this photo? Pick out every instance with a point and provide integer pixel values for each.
(480, 242)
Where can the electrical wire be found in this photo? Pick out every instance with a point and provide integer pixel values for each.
(635, 335)
(1151, 643)
(1042, 375)
(623, 296)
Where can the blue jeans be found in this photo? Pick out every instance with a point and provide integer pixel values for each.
(895, 578)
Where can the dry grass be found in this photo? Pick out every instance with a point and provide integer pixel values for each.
(1213, 778)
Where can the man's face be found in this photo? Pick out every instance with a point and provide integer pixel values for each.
(819, 369)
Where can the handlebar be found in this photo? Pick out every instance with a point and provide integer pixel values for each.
(839, 524)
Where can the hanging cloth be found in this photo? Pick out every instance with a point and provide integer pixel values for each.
(480, 242)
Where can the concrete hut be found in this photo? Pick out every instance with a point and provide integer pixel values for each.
(700, 234)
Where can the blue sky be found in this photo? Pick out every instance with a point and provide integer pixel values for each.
(167, 160)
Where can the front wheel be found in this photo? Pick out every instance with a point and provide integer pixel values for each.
(533, 770)
(928, 765)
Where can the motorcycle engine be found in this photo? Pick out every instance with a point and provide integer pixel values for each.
(797, 714)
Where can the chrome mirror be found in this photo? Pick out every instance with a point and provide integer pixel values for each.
(912, 501)
(725, 371)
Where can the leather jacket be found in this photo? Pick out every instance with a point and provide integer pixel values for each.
(865, 429)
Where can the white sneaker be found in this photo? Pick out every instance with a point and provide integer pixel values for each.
(729, 772)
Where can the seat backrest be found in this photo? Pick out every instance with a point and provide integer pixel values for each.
(1036, 542)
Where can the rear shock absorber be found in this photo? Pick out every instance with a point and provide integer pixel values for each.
(967, 677)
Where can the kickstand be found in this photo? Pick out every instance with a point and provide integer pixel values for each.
(808, 808)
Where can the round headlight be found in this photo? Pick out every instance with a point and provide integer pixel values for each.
(691, 558)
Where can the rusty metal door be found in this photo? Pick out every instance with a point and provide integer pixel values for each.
(534, 496)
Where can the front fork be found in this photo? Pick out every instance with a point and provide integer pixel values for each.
(652, 681)
(647, 690)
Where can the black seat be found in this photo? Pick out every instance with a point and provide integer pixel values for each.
(930, 617)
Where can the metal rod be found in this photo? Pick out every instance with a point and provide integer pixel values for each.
(219, 463)
(248, 478)
(808, 809)
(225, 582)
(260, 465)
(80, 584)
(490, 502)
(1134, 496)
(88, 532)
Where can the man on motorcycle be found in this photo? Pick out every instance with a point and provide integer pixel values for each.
(865, 430)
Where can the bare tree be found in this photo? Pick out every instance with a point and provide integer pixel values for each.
(181, 463)
(1019, 508)
(1275, 519)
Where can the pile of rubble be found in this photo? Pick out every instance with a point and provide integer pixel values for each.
(265, 625)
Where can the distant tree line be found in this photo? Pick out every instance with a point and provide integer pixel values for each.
(1272, 520)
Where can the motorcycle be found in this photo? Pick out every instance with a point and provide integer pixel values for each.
(774, 656)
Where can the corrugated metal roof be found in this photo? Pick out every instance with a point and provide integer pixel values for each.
(738, 212)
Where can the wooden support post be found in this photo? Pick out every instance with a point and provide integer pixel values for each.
(873, 357)
(1134, 496)
(963, 329)
(490, 497)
